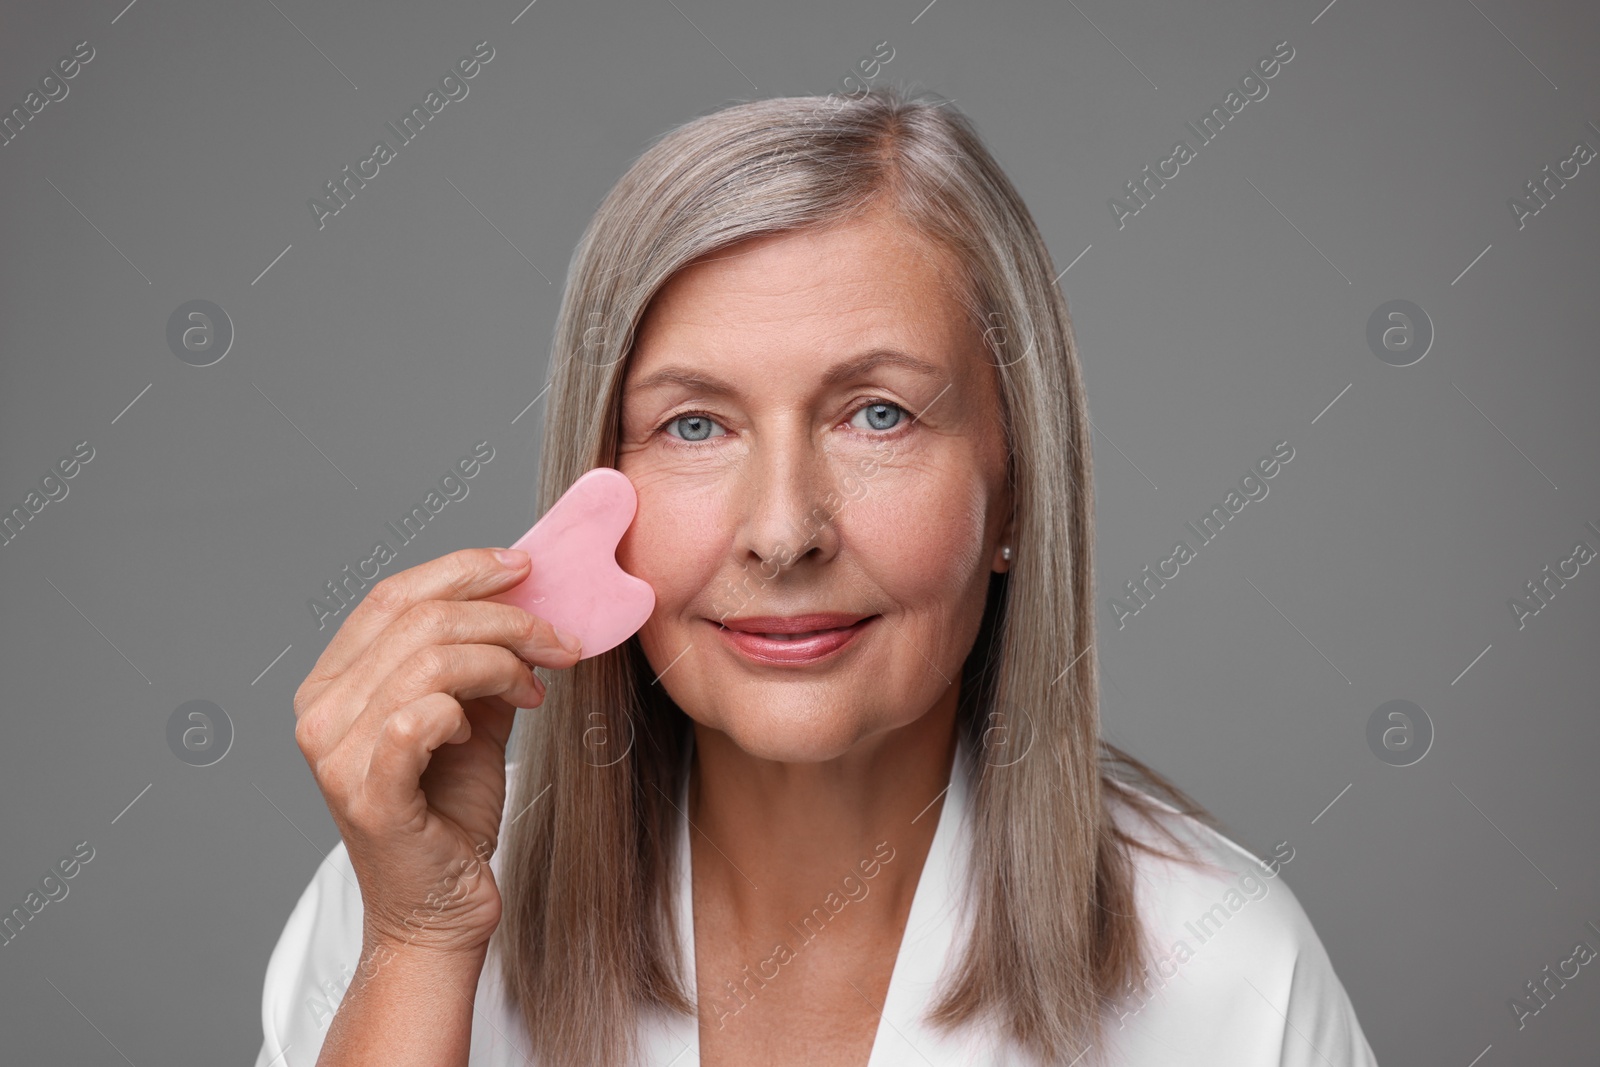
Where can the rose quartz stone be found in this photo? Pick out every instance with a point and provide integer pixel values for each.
(575, 582)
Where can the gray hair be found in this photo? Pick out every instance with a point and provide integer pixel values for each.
(588, 938)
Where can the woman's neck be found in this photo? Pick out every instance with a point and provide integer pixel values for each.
(774, 841)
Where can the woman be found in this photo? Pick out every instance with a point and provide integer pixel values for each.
(843, 799)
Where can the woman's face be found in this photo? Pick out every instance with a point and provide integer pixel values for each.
(813, 426)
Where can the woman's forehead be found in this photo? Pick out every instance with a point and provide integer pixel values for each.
(842, 290)
(869, 253)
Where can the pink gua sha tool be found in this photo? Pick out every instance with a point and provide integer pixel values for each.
(576, 583)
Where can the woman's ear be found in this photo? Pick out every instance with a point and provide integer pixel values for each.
(1005, 553)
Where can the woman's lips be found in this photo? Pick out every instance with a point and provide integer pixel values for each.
(804, 648)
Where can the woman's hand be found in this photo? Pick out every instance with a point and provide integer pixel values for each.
(404, 721)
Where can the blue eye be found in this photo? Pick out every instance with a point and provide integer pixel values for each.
(882, 415)
(693, 427)
(696, 427)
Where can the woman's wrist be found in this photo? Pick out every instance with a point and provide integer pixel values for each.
(408, 1004)
(444, 956)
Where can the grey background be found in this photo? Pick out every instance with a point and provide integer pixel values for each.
(1223, 318)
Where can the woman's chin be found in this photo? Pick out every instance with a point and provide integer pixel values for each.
(799, 739)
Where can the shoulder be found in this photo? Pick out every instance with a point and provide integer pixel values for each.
(1204, 869)
(313, 962)
(1235, 969)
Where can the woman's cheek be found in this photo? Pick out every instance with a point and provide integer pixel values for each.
(910, 517)
(677, 537)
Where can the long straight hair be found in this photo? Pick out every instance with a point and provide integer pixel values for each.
(588, 939)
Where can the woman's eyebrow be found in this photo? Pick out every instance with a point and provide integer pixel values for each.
(850, 369)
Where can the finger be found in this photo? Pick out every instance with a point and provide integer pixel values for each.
(432, 623)
(488, 717)
(492, 718)
(470, 573)
(462, 672)
(402, 749)
(479, 622)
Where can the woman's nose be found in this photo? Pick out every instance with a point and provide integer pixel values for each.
(787, 505)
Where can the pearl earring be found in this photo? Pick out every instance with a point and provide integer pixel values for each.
(1005, 553)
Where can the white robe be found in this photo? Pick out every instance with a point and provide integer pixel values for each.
(1252, 985)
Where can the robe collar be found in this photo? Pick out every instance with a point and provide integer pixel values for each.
(937, 918)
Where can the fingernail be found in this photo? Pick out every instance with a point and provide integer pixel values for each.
(511, 557)
(570, 642)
